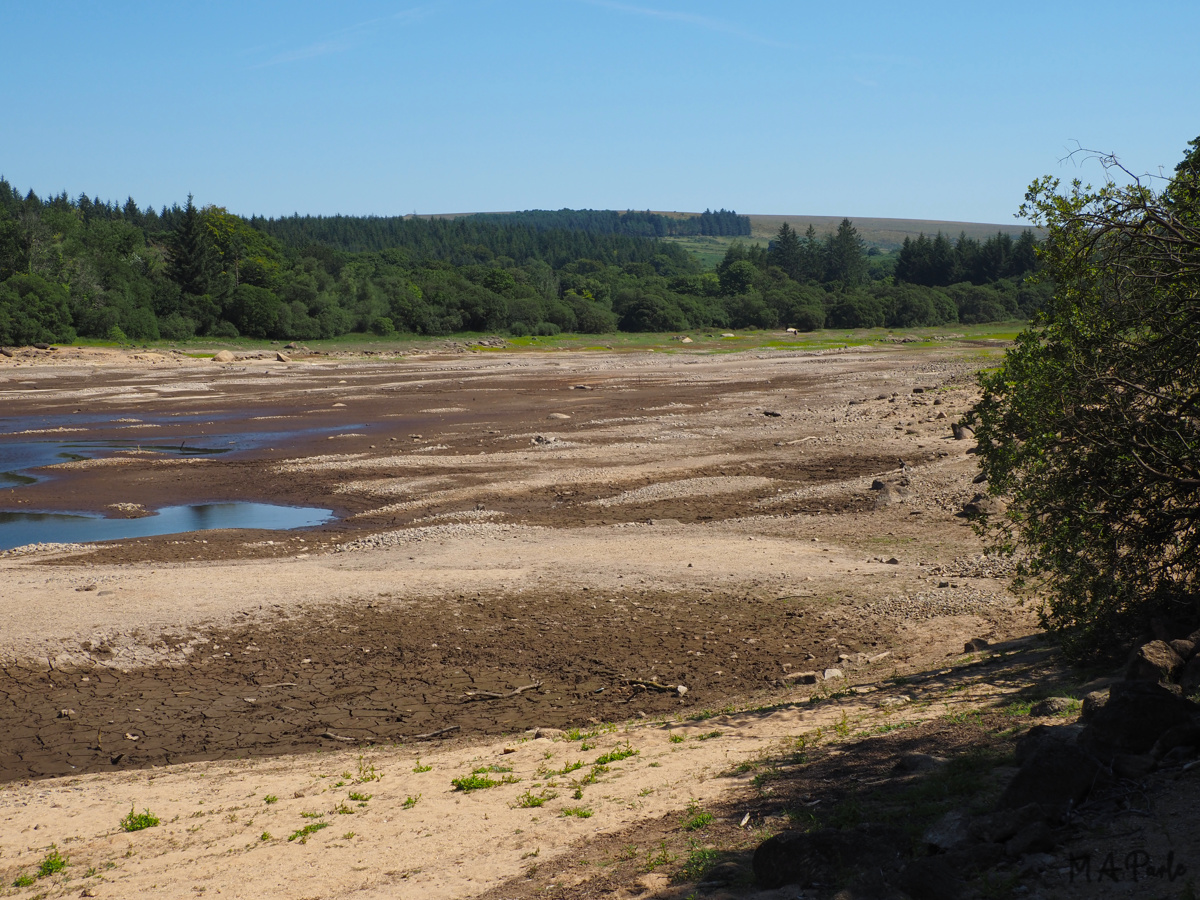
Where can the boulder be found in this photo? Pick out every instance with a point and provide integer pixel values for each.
(1056, 776)
(1054, 706)
(962, 432)
(1036, 837)
(949, 832)
(974, 645)
(794, 857)
(223, 356)
(1155, 661)
(833, 674)
(982, 505)
(1028, 743)
(1092, 703)
(282, 357)
(1136, 715)
(1189, 677)
(1185, 647)
(1184, 735)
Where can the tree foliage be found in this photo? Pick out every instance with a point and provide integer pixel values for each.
(1091, 426)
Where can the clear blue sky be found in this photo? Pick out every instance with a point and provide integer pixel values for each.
(938, 110)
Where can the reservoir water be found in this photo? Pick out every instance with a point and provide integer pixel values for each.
(20, 528)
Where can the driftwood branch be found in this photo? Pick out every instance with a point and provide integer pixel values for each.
(651, 685)
(336, 737)
(434, 734)
(499, 695)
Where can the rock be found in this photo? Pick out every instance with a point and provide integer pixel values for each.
(724, 873)
(801, 677)
(1189, 678)
(292, 346)
(974, 645)
(282, 357)
(4, 351)
(1136, 715)
(41, 346)
(833, 674)
(794, 857)
(728, 334)
(681, 690)
(949, 832)
(962, 432)
(915, 763)
(890, 494)
(1054, 706)
(87, 587)
(893, 561)
(558, 416)
(931, 878)
(1092, 703)
(1184, 735)
(999, 826)
(982, 505)
(1155, 661)
(1036, 837)
(686, 340)
(550, 733)
(1133, 766)
(543, 439)
(1057, 776)
(772, 413)
(918, 390)
(1185, 647)
(66, 714)
(1028, 743)
(223, 356)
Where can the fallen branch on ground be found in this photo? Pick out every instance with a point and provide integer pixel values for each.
(433, 734)
(498, 695)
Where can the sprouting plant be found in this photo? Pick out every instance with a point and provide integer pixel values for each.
(616, 755)
(302, 834)
(530, 800)
(663, 857)
(695, 818)
(366, 771)
(265, 836)
(312, 815)
(343, 810)
(137, 821)
(676, 739)
(418, 768)
(580, 812)
(708, 736)
(52, 863)
(410, 802)
(270, 798)
(24, 881)
(360, 798)
(349, 835)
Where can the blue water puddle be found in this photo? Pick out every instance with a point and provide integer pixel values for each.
(20, 528)
(18, 459)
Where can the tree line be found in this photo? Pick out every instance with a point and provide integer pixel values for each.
(100, 269)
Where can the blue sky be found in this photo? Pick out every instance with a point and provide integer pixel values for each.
(903, 109)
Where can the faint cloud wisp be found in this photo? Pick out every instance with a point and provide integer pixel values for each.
(344, 39)
(706, 22)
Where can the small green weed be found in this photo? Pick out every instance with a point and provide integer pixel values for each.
(349, 835)
(567, 769)
(302, 834)
(616, 755)
(709, 735)
(343, 810)
(360, 798)
(695, 818)
(410, 802)
(312, 815)
(24, 881)
(366, 771)
(53, 863)
(676, 739)
(698, 862)
(579, 812)
(842, 727)
(138, 821)
(270, 798)
(265, 836)
(478, 781)
(663, 857)
(530, 800)
(418, 768)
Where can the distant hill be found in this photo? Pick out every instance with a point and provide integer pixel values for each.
(887, 234)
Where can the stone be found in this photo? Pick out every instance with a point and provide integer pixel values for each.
(916, 763)
(1036, 837)
(1136, 715)
(999, 826)
(974, 645)
(1155, 661)
(1184, 735)
(795, 857)
(558, 416)
(1054, 706)
(543, 439)
(1057, 776)
(1133, 766)
(772, 413)
(1184, 647)
(982, 505)
(1189, 677)
(802, 677)
(1092, 703)
(282, 357)
(931, 878)
(66, 714)
(833, 674)
(686, 340)
(962, 432)
(1028, 743)
(223, 356)
(949, 832)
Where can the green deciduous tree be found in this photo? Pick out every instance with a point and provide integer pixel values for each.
(1091, 426)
